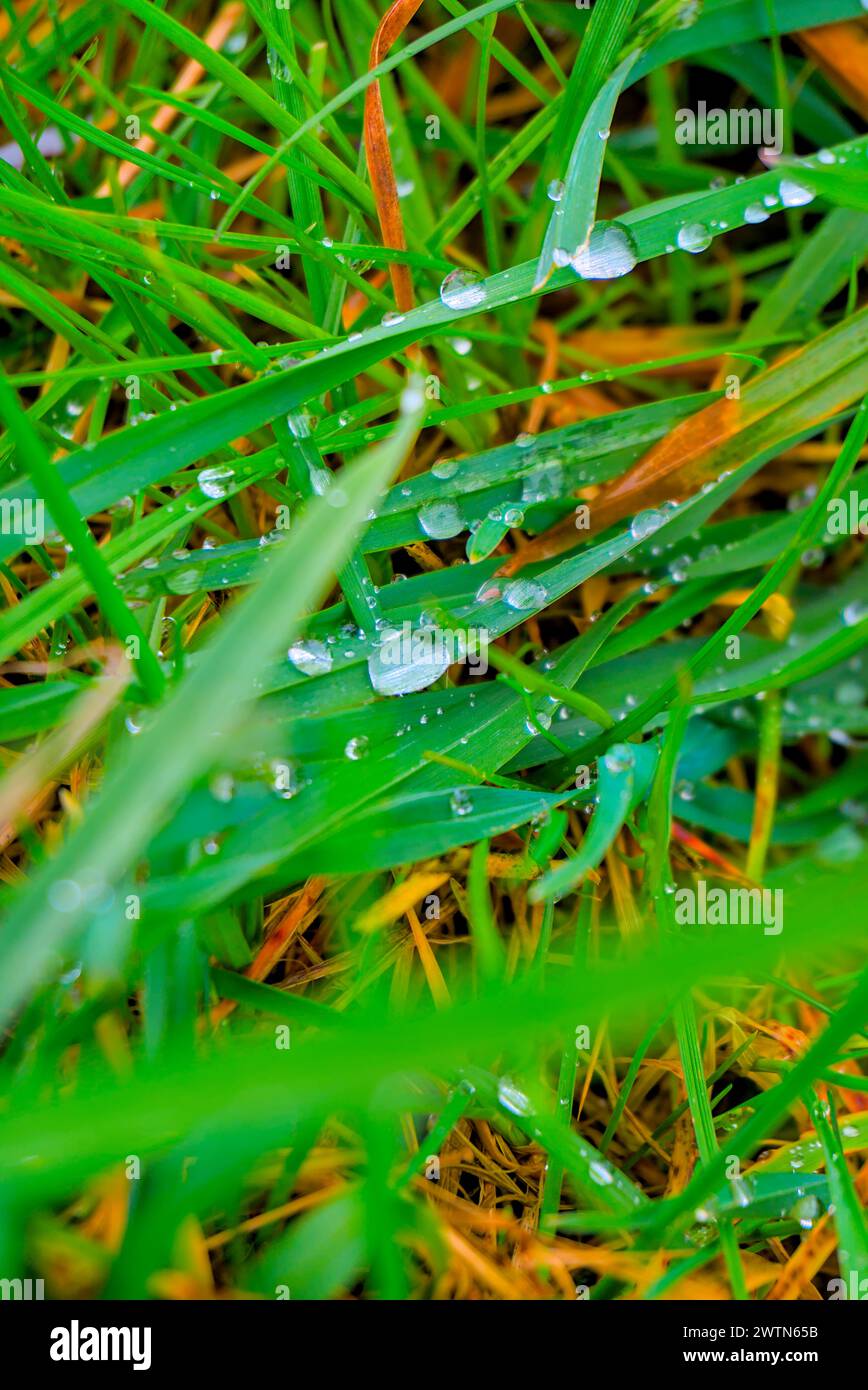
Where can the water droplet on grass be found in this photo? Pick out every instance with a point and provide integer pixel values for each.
(645, 524)
(222, 786)
(440, 520)
(855, 612)
(461, 802)
(524, 593)
(445, 468)
(311, 657)
(214, 482)
(396, 668)
(620, 758)
(610, 253)
(694, 237)
(463, 289)
(600, 1173)
(489, 592)
(794, 195)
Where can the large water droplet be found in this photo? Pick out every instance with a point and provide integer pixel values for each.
(645, 524)
(512, 1098)
(489, 592)
(525, 593)
(544, 483)
(312, 657)
(403, 662)
(855, 612)
(694, 237)
(214, 482)
(463, 289)
(620, 758)
(610, 252)
(461, 802)
(356, 748)
(794, 195)
(440, 520)
(600, 1173)
(445, 468)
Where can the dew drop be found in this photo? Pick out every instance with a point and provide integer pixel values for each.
(645, 524)
(214, 482)
(694, 237)
(445, 468)
(489, 592)
(222, 786)
(440, 520)
(794, 195)
(855, 612)
(599, 1173)
(525, 593)
(402, 663)
(610, 253)
(311, 657)
(461, 802)
(463, 289)
(620, 758)
(512, 1098)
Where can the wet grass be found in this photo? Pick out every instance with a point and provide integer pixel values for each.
(432, 696)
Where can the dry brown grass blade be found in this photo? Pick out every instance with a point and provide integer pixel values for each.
(677, 465)
(811, 1253)
(634, 344)
(397, 900)
(548, 336)
(379, 156)
(433, 973)
(841, 52)
(277, 941)
(23, 783)
(191, 73)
